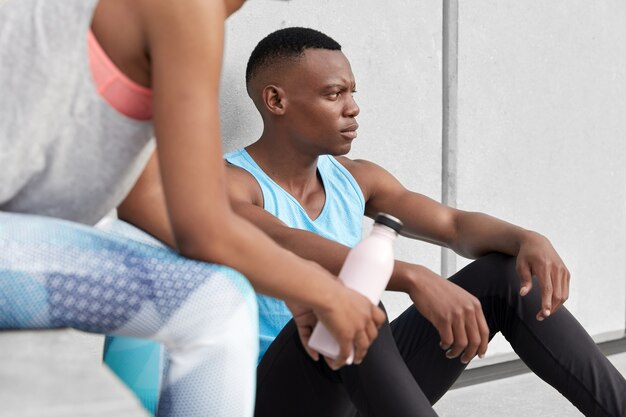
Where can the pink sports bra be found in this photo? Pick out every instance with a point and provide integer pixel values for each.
(122, 93)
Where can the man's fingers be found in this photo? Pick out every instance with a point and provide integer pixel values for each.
(311, 352)
(483, 329)
(332, 364)
(447, 336)
(362, 339)
(378, 315)
(305, 335)
(561, 287)
(545, 283)
(557, 291)
(460, 340)
(526, 279)
(305, 321)
(372, 332)
(566, 279)
(346, 350)
(473, 340)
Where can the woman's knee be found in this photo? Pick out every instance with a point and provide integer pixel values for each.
(220, 311)
(216, 327)
(240, 309)
(238, 294)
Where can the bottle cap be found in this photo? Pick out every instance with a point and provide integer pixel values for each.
(389, 221)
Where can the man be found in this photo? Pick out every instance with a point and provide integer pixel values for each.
(295, 185)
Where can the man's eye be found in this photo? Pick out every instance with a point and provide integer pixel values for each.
(334, 96)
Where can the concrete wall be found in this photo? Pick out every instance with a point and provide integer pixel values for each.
(540, 115)
(541, 136)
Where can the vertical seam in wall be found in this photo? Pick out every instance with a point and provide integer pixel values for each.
(450, 60)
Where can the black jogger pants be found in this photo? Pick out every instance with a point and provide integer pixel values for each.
(405, 370)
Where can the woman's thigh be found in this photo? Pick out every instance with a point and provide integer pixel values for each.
(55, 273)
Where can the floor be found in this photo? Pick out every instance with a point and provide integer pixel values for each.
(524, 395)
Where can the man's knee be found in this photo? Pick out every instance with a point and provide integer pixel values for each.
(496, 270)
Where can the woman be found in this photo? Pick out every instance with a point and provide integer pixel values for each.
(85, 84)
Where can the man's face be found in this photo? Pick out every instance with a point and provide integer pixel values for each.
(321, 111)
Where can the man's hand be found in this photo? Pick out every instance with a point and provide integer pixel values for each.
(350, 317)
(305, 323)
(456, 314)
(538, 258)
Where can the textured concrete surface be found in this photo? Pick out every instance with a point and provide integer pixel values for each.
(542, 95)
(519, 396)
(59, 374)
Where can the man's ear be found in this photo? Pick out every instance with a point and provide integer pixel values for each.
(274, 99)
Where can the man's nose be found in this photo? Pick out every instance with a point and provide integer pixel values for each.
(352, 109)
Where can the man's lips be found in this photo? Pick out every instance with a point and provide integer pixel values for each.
(350, 131)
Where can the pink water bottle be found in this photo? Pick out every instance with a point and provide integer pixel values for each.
(367, 269)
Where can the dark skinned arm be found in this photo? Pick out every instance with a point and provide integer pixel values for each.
(459, 319)
(424, 286)
(470, 234)
(184, 42)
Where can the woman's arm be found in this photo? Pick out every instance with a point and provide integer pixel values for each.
(184, 43)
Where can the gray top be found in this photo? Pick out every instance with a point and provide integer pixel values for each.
(64, 152)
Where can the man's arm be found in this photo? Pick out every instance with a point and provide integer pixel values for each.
(469, 234)
(456, 314)
(246, 200)
(145, 207)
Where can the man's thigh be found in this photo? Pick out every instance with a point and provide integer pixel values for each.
(290, 383)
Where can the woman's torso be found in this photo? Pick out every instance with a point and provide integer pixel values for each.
(64, 151)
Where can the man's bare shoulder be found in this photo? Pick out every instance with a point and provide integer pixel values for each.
(366, 173)
(359, 168)
(374, 180)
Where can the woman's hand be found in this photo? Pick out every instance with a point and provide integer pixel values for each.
(350, 317)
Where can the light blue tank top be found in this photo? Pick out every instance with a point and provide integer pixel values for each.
(339, 220)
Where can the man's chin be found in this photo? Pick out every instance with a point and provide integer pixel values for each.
(341, 150)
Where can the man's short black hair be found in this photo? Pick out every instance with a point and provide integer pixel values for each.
(286, 44)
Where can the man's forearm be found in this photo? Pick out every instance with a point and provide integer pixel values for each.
(331, 256)
(308, 245)
(144, 206)
(409, 277)
(478, 234)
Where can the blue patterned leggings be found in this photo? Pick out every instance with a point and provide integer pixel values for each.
(120, 281)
